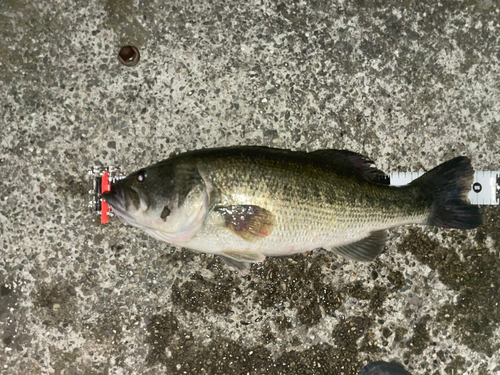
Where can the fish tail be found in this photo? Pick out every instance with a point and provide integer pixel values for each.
(446, 188)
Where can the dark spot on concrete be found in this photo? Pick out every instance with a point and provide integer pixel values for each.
(399, 335)
(180, 352)
(377, 297)
(283, 322)
(268, 336)
(326, 359)
(162, 330)
(199, 294)
(183, 256)
(476, 315)
(63, 361)
(112, 145)
(71, 186)
(117, 247)
(420, 338)
(271, 134)
(396, 278)
(5, 290)
(98, 239)
(370, 49)
(456, 365)
(10, 319)
(7, 340)
(356, 290)
(386, 332)
(56, 303)
(278, 282)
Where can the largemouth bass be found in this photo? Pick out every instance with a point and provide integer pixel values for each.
(247, 203)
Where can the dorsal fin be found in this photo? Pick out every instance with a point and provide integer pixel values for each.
(348, 160)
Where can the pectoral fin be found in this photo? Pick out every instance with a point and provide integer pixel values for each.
(247, 221)
(365, 250)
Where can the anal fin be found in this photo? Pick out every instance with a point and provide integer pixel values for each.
(365, 250)
(242, 267)
(244, 256)
(240, 260)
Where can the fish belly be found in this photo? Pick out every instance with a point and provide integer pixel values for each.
(299, 230)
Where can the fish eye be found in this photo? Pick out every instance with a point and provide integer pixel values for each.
(141, 175)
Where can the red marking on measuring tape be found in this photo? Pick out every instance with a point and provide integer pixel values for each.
(105, 186)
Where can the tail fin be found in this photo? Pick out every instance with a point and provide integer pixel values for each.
(447, 187)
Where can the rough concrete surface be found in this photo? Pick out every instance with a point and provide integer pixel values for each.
(410, 84)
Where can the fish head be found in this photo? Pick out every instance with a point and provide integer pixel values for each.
(141, 197)
(158, 200)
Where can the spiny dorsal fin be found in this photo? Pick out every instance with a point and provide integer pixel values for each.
(344, 159)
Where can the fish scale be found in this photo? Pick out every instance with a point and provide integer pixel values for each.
(337, 212)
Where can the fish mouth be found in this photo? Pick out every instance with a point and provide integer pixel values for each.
(116, 198)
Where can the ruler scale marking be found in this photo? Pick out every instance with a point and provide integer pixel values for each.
(485, 189)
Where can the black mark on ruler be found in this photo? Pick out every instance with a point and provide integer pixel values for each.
(477, 187)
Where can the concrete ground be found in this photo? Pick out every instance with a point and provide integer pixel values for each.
(408, 85)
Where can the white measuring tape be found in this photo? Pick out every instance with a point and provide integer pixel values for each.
(485, 189)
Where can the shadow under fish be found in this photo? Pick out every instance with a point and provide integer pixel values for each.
(383, 368)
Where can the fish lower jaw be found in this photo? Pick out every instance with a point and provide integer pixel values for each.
(171, 238)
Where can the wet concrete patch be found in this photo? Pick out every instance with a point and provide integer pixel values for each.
(56, 302)
(9, 300)
(213, 295)
(292, 296)
(297, 284)
(176, 349)
(420, 338)
(471, 270)
(342, 358)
